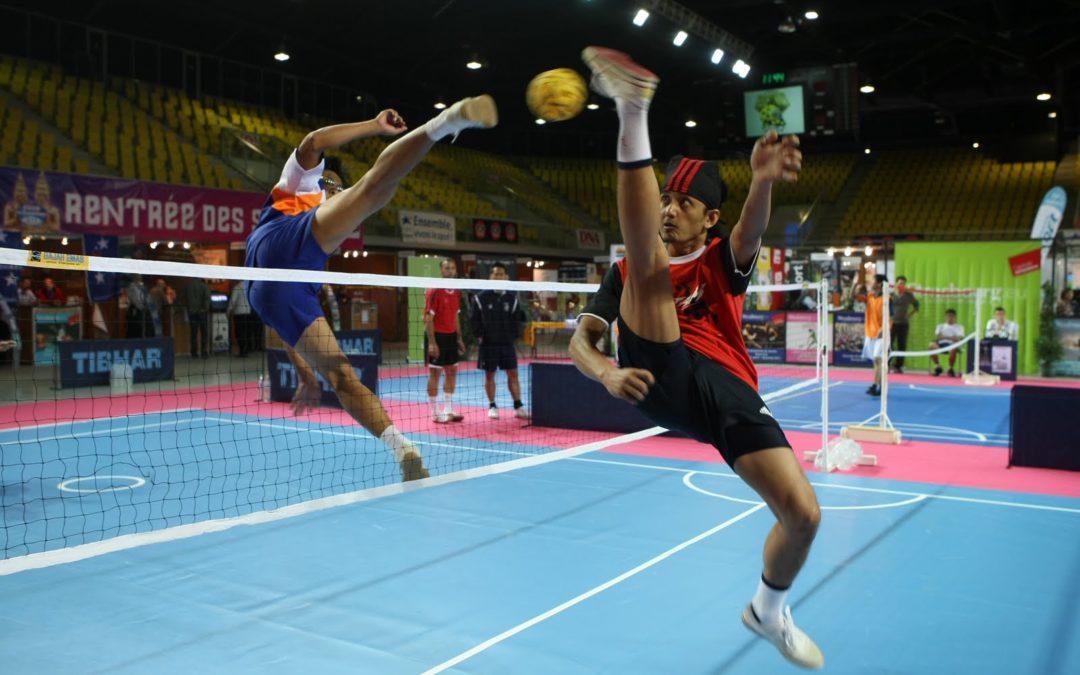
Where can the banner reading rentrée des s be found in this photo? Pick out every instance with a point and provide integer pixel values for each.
(46, 201)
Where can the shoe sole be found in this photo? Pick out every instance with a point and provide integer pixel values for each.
(481, 110)
(596, 58)
(412, 467)
(752, 625)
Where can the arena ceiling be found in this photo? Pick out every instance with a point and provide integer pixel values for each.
(944, 69)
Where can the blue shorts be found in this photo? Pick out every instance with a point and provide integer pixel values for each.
(286, 242)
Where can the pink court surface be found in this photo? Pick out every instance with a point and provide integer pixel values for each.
(952, 464)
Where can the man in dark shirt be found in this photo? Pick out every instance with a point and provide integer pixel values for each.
(496, 320)
(904, 306)
(197, 301)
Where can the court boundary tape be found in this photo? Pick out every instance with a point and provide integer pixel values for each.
(596, 590)
(688, 481)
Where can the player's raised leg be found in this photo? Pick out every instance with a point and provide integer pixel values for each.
(647, 305)
(338, 218)
(319, 347)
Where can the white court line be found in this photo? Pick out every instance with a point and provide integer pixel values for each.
(688, 481)
(839, 486)
(97, 432)
(92, 420)
(960, 392)
(525, 625)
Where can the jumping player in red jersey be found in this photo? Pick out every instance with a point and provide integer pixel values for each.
(678, 301)
(308, 215)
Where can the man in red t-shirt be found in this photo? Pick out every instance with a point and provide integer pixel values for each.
(678, 301)
(443, 343)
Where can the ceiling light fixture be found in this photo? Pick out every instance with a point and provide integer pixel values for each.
(690, 124)
(641, 17)
(741, 68)
(540, 120)
(811, 15)
(1052, 114)
(281, 56)
(975, 145)
(717, 55)
(474, 65)
(866, 151)
(867, 89)
(1044, 96)
(680, 38)
(593, 106)
(439, 105)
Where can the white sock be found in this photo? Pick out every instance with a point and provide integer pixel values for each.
(434, 400)
(397, 443)
(768, 602)
(633, 131)
(449, 403)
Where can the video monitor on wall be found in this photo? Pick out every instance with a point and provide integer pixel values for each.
(780, 108)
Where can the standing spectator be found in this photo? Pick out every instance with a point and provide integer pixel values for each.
(197, 301)
(874, 323)
(1000, 328)
(443, 343)
(946, 334)
(904, 306)
(27, 297)
(240, 311)
(138, 314)
(50, 294)
(8, 326)
(1065, 306)
(496, 320)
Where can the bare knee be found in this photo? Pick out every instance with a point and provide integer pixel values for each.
(801, 516)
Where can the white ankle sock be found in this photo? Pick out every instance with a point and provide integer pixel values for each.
(633, 132)
(449, 408)
(768, 602)
(397, 443)
(434, 400)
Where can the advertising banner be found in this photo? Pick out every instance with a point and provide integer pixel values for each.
(283, 380)
(764, 334)
(87, 363)
(9, 274)
(801, 342)
(424, 228)
(849, 331)
(590, 239)
(361, 342)
(53, 326)
(118, 207)
(495, 230)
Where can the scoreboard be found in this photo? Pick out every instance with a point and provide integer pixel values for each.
(815, 101)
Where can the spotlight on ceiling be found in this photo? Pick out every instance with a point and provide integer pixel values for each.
(474, 65)
(811, 15)
(1044, 96)
(717, 55)
(690, 124)
(540, 120)
(680, 38)
(741, 68)
(1052, 114)
(975, 145)
(867, 89)
(641, 17)
(281, 56)
(866, 151)
(593, 106)
(439, 105)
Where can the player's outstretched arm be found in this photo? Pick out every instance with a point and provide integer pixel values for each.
(629, 384)
(773, 159)
(386, 123)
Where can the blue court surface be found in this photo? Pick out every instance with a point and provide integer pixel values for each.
(600, 563)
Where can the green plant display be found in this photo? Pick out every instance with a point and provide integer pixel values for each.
(770, 107)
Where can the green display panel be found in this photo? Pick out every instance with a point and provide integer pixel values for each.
(418, 267)
(971, 265)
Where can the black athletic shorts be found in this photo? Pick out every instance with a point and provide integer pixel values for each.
(448, 352)
(497, 357)
(700, 398)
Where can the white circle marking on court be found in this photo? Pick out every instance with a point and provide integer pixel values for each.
(66, 485)
(688, 482)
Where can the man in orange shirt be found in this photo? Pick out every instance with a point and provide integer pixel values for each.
(872, 344)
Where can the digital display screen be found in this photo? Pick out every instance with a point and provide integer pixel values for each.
(780, 108)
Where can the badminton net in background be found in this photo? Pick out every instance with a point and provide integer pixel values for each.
(110, 427)
(923, 340)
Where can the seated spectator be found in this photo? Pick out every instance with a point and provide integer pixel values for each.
(27, 297)
(50, 294)
(1000, 328)
(947, 334)
(1065, 306)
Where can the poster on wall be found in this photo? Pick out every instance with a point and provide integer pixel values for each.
(53, 326)
(764, 335)
(849, 331)
(801, 343)
(1069, 335)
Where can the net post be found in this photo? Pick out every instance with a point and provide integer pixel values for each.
(977, 377)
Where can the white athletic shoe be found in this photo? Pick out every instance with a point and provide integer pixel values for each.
(795, 645)
(441, 418)
(477, 112)
(493, 413)
(616, 76)
(522, 414)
